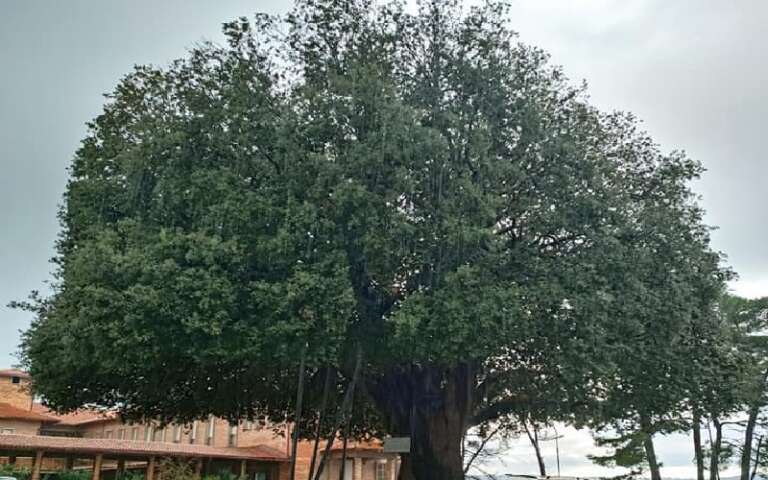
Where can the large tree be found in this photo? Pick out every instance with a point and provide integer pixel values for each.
(411, 200)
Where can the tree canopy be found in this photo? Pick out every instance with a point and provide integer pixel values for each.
(355, 180)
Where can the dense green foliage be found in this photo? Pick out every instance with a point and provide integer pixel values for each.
(72, 475)
(415, 186)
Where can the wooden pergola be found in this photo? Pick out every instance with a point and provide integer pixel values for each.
(138, 454)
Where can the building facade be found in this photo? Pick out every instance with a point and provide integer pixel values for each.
(253, 449)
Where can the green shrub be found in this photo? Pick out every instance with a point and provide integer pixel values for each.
(222, 475)
(170, 469)
(20, 473)
(69, 475)
(131, 475)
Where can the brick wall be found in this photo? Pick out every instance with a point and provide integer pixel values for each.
(16, 394)
(96, 429)
(248, 434)
(262, 434)
(20, 427)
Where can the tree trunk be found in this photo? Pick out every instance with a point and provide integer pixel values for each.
(343, 464)
(749, 434)
(320, 419)
(298, 412)
(757, 458)
(650, 450)
(697, 447)
(533, 436)
(436, 447)
(431, 405)
(714, 459)
(345, 412)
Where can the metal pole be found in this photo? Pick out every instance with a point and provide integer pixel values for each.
(557, 449)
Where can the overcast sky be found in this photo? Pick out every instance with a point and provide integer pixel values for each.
(693, 70)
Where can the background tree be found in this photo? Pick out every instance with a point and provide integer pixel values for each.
(669, 319)
(749, 318)
(626, 449)
(716, 377)
(413, 200)
(490, 442)
(486, 444)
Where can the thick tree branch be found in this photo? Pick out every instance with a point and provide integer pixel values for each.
(495, 410)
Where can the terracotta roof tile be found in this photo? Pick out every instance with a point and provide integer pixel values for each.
(80, 417)
(9, 411)
(263, 450)
(128, 448)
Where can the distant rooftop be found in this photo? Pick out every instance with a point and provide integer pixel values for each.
(13, 372)
(80, 417)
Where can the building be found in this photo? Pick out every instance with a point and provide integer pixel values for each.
(32, 435)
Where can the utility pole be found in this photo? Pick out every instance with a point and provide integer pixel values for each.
(556, 438)
(557, 449)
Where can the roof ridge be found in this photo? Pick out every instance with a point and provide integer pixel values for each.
(78, 417)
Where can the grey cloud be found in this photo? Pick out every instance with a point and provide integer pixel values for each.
(693, 71)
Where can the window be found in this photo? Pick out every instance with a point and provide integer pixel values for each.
(248, 425)
(158, 435)
(7, 431)
(177, 433)
(135, 433)
(232, 441)
(210, 432)
(148, 433)
(15, 379)
(108, 434)
(381, 471)
(193, 433)
(121, 434)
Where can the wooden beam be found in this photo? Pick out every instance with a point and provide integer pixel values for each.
(120, 468)
(97, 461)
(243, 465)
(150, 469)
(37, 465)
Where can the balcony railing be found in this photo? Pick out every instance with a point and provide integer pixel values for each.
(60, 433)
